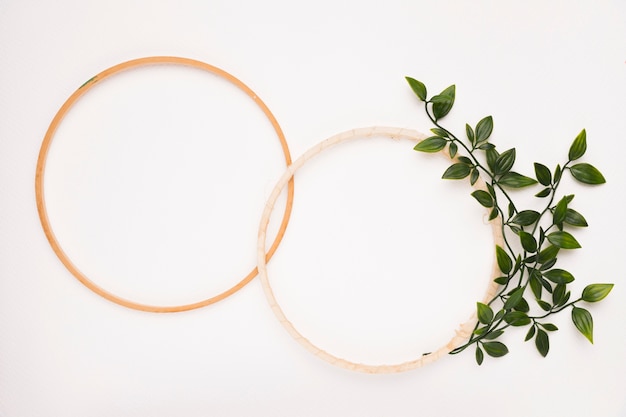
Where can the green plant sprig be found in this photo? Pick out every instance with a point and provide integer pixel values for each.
(532, 239)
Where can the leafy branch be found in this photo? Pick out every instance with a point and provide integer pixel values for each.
(532, 239)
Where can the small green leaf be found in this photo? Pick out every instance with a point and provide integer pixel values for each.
(504, 162)
(442, 103)
(548, 254)
(517, 318)
(544, 193)
(579, 146)
(484, 312)
(542, 342)
(547, 265)
(528, 242)
(530, 334)
(514, 298)
(574, 218)
(439, 132)
(543, 174)
(502, 280)
(559, 276)
(484, 129)
(456, 171)
(587, 173)
(559, 211)
(492, 155)
(515, 180)
(557, 173)
(522, 306)
(452, 149)
(583, 321)
(596, 292)
(495, 349)
(549, 327)
(535, 285)
(525, 217)
(431, 145)
(469, 132)
(563, 240)
(493, 214)
(545, 306)
(558, 295)
(474, 176)
(483, 198)
(486, 145)
(493, 335)
(418, 88)
(504, 261)
(479, 355)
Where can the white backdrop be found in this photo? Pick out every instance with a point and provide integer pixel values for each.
(157, 180)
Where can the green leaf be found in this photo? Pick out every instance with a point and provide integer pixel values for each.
(544, 193)
(557, 173)
(456, 171)
(574, 218)
(547, 265)
(495, 349)
(439, 132)
(587, 173)
(431, 145)
(549, 327)
(559, 276)
(517, 318)
(442, 103)
(548, 254)
(558, 295)
(474, 176)
(579, 146)
(484, 129)
(515, 180)
(504, 262)
(596, 292)
(522, 306)
(535, 285)
(452, 149)
(483, 197)
(493, 214)
(502, 280)
(559, 211)
(543, 174)
(525, 217)
(530, 334)
(514, 298)
(545, 306)
(479, 355)
(493, 335)
(418, 88)
(542, 342)
(469, 132)
(484, 312)
(583, 321)
(504, 162)
(492, 155)
(563, 240)
(528, 242)
(486, 145)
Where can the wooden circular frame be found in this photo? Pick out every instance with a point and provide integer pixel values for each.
(462, 333)
(41, 166)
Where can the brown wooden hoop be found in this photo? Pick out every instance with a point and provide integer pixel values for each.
(461, 334)
(41, 166)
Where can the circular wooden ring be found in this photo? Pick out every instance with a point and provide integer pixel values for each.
(41, 166)
(461, 334)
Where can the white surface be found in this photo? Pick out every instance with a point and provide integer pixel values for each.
(544, 70)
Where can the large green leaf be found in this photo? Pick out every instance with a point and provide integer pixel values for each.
(431, 144)
(504, 162)
(543, 174)
(525, 217)
(542, 342)
(443, 102)
(483, 197)
(514, 180)
(484, 129)
(456, 171)
(587, 173)
(484, 313)
(495, 349)
(563, 240)
(559, 276)
(504, 261)
(596, 292)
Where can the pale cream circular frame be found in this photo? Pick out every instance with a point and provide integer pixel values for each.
(461, 334)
